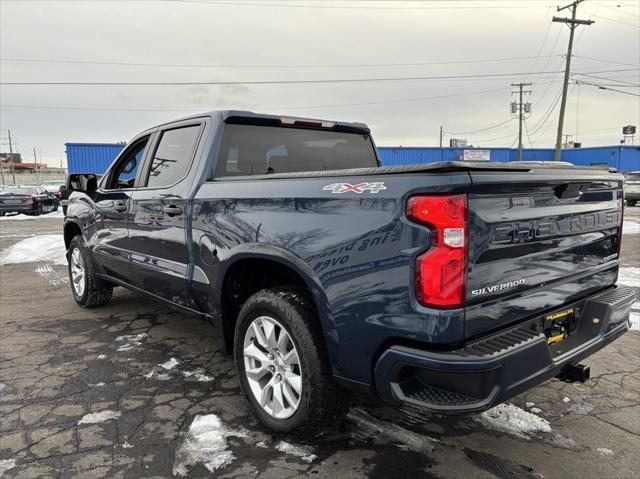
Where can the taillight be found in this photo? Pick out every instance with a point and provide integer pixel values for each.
(441, 270)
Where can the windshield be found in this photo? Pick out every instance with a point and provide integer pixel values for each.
(19, 190)
(259, 150)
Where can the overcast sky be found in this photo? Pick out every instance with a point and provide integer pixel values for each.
(253, 40)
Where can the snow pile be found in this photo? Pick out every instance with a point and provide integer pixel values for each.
(46, 248)
(6, 464)
(629, 276)
(604, 451)
(630, 228)
(513, 420)
(303, 452)
(205, 442)
(159, 376)
(21, 216)
(198, 375)
(97, 417)
(130, 341)
(172, 363)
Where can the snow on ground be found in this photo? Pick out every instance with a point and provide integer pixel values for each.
(604, 451)
(45, 248)
(130, 341)
(97, 417)
(398, 435)
(198, 375)
(159, 376)
(513, 420)
(629, 276)
(303, 452)
(172, 363)
(206, 443)
(630, 228)
(47, 272)
(6, 464)
(635, 320)
(21, 217)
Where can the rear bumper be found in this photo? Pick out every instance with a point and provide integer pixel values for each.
(491, 370)
(16, 208)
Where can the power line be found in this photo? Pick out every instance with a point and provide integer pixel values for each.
(602, 87)
(482, 129)
(602, 60)
(286, 82)
(470, 6)
(196, 65)
(342, 105)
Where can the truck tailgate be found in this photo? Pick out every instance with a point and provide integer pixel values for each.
(538, 239)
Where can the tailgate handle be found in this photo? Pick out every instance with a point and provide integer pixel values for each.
(571, 190)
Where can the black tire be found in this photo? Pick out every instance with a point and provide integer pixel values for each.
(631, 202)
(323, 403)
(95, 293)
(38, 210)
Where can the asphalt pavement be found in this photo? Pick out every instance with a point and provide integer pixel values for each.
(135, 389)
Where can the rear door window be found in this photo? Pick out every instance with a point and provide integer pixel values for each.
(173, 156)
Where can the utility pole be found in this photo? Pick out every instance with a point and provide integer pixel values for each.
(573, 23)
(35, 163)
(13, 170)
(440, 136)
(520, 108)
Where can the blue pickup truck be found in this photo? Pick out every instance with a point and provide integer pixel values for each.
(449, 286)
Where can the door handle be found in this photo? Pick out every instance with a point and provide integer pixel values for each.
(172, 210)
(120, 207)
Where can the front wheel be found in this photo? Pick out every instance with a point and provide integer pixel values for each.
(631, 202)
(85, 286)
(283, 367)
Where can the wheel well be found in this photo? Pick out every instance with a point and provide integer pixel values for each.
(70, 230)
(245, 278)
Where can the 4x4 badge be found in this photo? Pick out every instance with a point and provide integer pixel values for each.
(375, 187)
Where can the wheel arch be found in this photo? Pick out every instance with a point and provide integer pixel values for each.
(278, 267)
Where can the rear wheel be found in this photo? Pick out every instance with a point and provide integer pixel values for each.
(283, 366)
(631, 202)
(37, 210)
(86, 288)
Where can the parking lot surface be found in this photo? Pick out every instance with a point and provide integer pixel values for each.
(135, 389)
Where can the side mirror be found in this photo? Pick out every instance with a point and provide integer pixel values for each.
(85, 182)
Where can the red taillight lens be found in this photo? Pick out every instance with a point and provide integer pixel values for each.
(441, 271)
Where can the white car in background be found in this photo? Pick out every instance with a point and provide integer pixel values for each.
(632, 188)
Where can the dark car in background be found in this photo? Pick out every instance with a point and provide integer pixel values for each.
(30, 200)
(632, 188)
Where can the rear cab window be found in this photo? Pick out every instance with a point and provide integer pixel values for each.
(260, 150)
